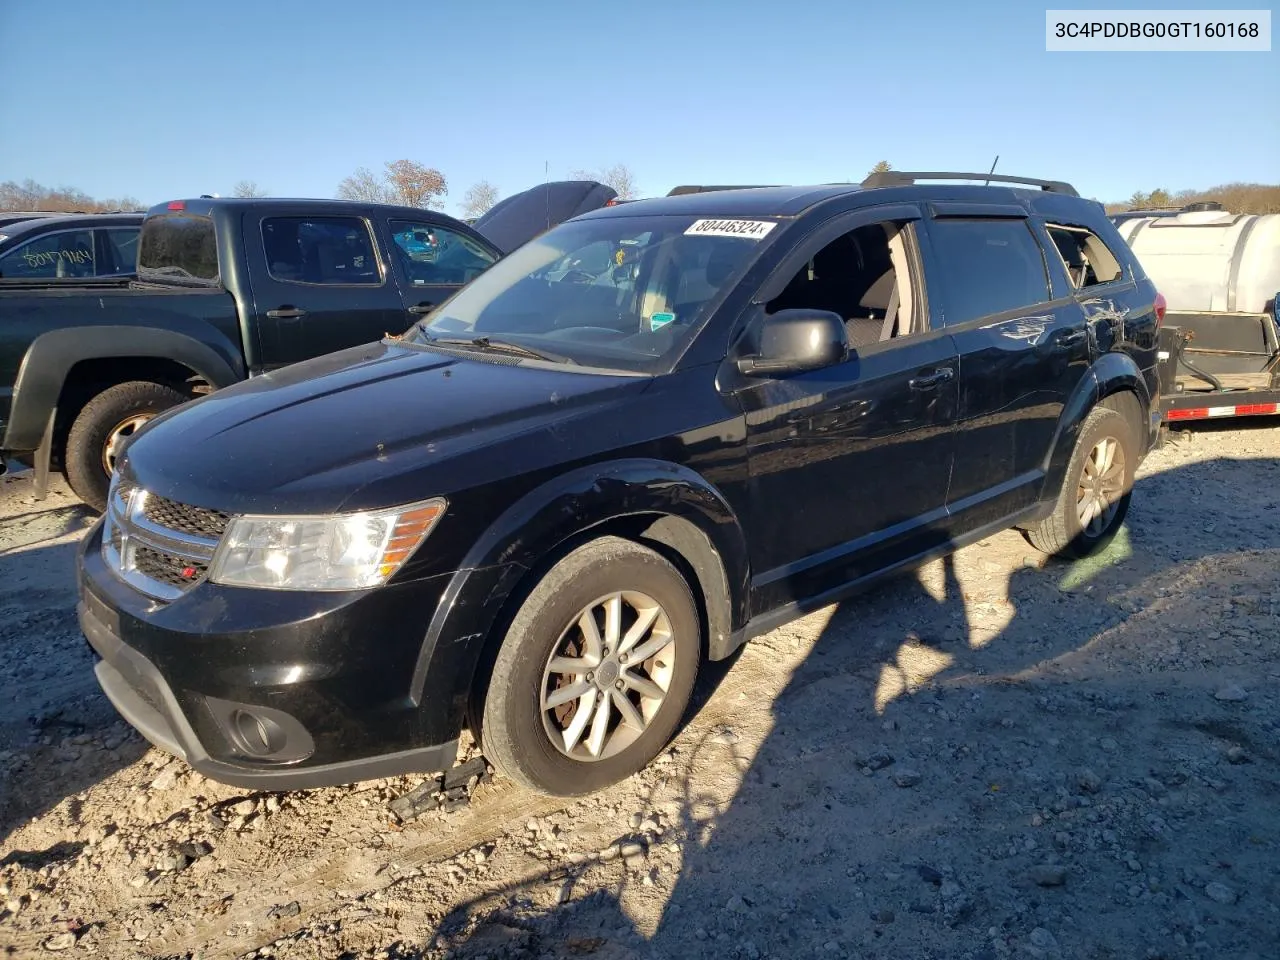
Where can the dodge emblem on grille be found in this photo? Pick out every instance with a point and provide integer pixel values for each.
(188, 572)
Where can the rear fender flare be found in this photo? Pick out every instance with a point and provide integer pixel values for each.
(1111, 374)
(688, 514)
(51, 356)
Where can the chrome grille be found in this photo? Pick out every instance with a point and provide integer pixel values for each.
(157, 546)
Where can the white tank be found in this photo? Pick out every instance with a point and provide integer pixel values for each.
(1210, 260)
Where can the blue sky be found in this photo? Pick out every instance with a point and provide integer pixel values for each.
(161, 100)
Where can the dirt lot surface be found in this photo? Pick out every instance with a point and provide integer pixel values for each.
(996, 757)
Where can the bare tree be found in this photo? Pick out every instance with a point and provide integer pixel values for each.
(415, 185)
(405, 182)
(479, 198)
(30, 195)
(364, 185)
(1235, 197)
(619, 176)
(247, 189)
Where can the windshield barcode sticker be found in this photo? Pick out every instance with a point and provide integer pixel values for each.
(751, 229)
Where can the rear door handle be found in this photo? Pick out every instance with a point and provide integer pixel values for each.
(426, 306)
(930, 380)
(1071, 338)
(287, 312)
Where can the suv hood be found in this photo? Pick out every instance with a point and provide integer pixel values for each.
(365, 428)
(520, 217)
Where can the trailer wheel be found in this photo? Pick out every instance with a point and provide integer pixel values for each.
(100, 428)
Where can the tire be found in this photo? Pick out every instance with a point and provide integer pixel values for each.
(109, 416)
(1062, 534)
(515, 732)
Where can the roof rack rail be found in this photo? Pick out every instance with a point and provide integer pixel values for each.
(703, 188)
(902, 178)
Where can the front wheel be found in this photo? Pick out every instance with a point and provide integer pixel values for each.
(595, 672)
(1095, 491)
(102, 427)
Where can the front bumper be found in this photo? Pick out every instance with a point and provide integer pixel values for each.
(266, 689)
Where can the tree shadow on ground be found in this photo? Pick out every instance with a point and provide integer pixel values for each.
(1041, 732)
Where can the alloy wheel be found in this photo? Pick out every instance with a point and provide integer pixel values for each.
(1102, 486)
(607, 676)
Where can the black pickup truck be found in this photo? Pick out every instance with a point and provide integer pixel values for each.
(225, 289)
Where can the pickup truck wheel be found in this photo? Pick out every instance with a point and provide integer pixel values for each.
(1096, 490)
(595, 671)
(101, 427)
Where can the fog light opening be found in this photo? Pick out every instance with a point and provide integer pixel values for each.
(257, 735)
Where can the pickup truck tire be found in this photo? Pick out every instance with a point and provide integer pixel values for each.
(572, 708)
(1096, 490)
(101, 424)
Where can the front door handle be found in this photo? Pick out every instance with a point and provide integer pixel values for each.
(426, 306)
(286, 312)
(930, 380)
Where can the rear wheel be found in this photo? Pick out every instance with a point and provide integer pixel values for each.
(595, 672)
(1096, 490)
(101, 429)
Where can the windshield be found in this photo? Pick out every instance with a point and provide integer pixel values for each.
(627, 293)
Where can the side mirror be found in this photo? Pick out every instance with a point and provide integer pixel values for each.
(796, 341)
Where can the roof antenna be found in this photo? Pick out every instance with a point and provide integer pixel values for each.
(992, 170)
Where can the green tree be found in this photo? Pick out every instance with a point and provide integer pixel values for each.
(883, 166)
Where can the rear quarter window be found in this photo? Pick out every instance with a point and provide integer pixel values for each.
(179, 247)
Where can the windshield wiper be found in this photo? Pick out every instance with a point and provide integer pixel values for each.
(502, 346)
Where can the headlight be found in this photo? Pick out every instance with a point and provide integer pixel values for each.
(349, 552)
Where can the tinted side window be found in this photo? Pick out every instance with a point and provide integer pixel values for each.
(329, 250)
(123, 247)
(1088, 260)
(65, 254)
(434, 254)
(987, 266)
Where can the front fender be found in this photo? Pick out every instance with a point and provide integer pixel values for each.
(51, 356)
(544, 519)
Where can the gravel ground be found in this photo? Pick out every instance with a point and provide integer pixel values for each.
(995, 757)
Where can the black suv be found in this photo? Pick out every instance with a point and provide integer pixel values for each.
(650, 434)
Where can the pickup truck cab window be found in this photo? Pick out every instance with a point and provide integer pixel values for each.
(431, 254)
(626, 293)
(987, 266)
(122, 245)
(325, 250)
(178, 247)
(67, 253)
